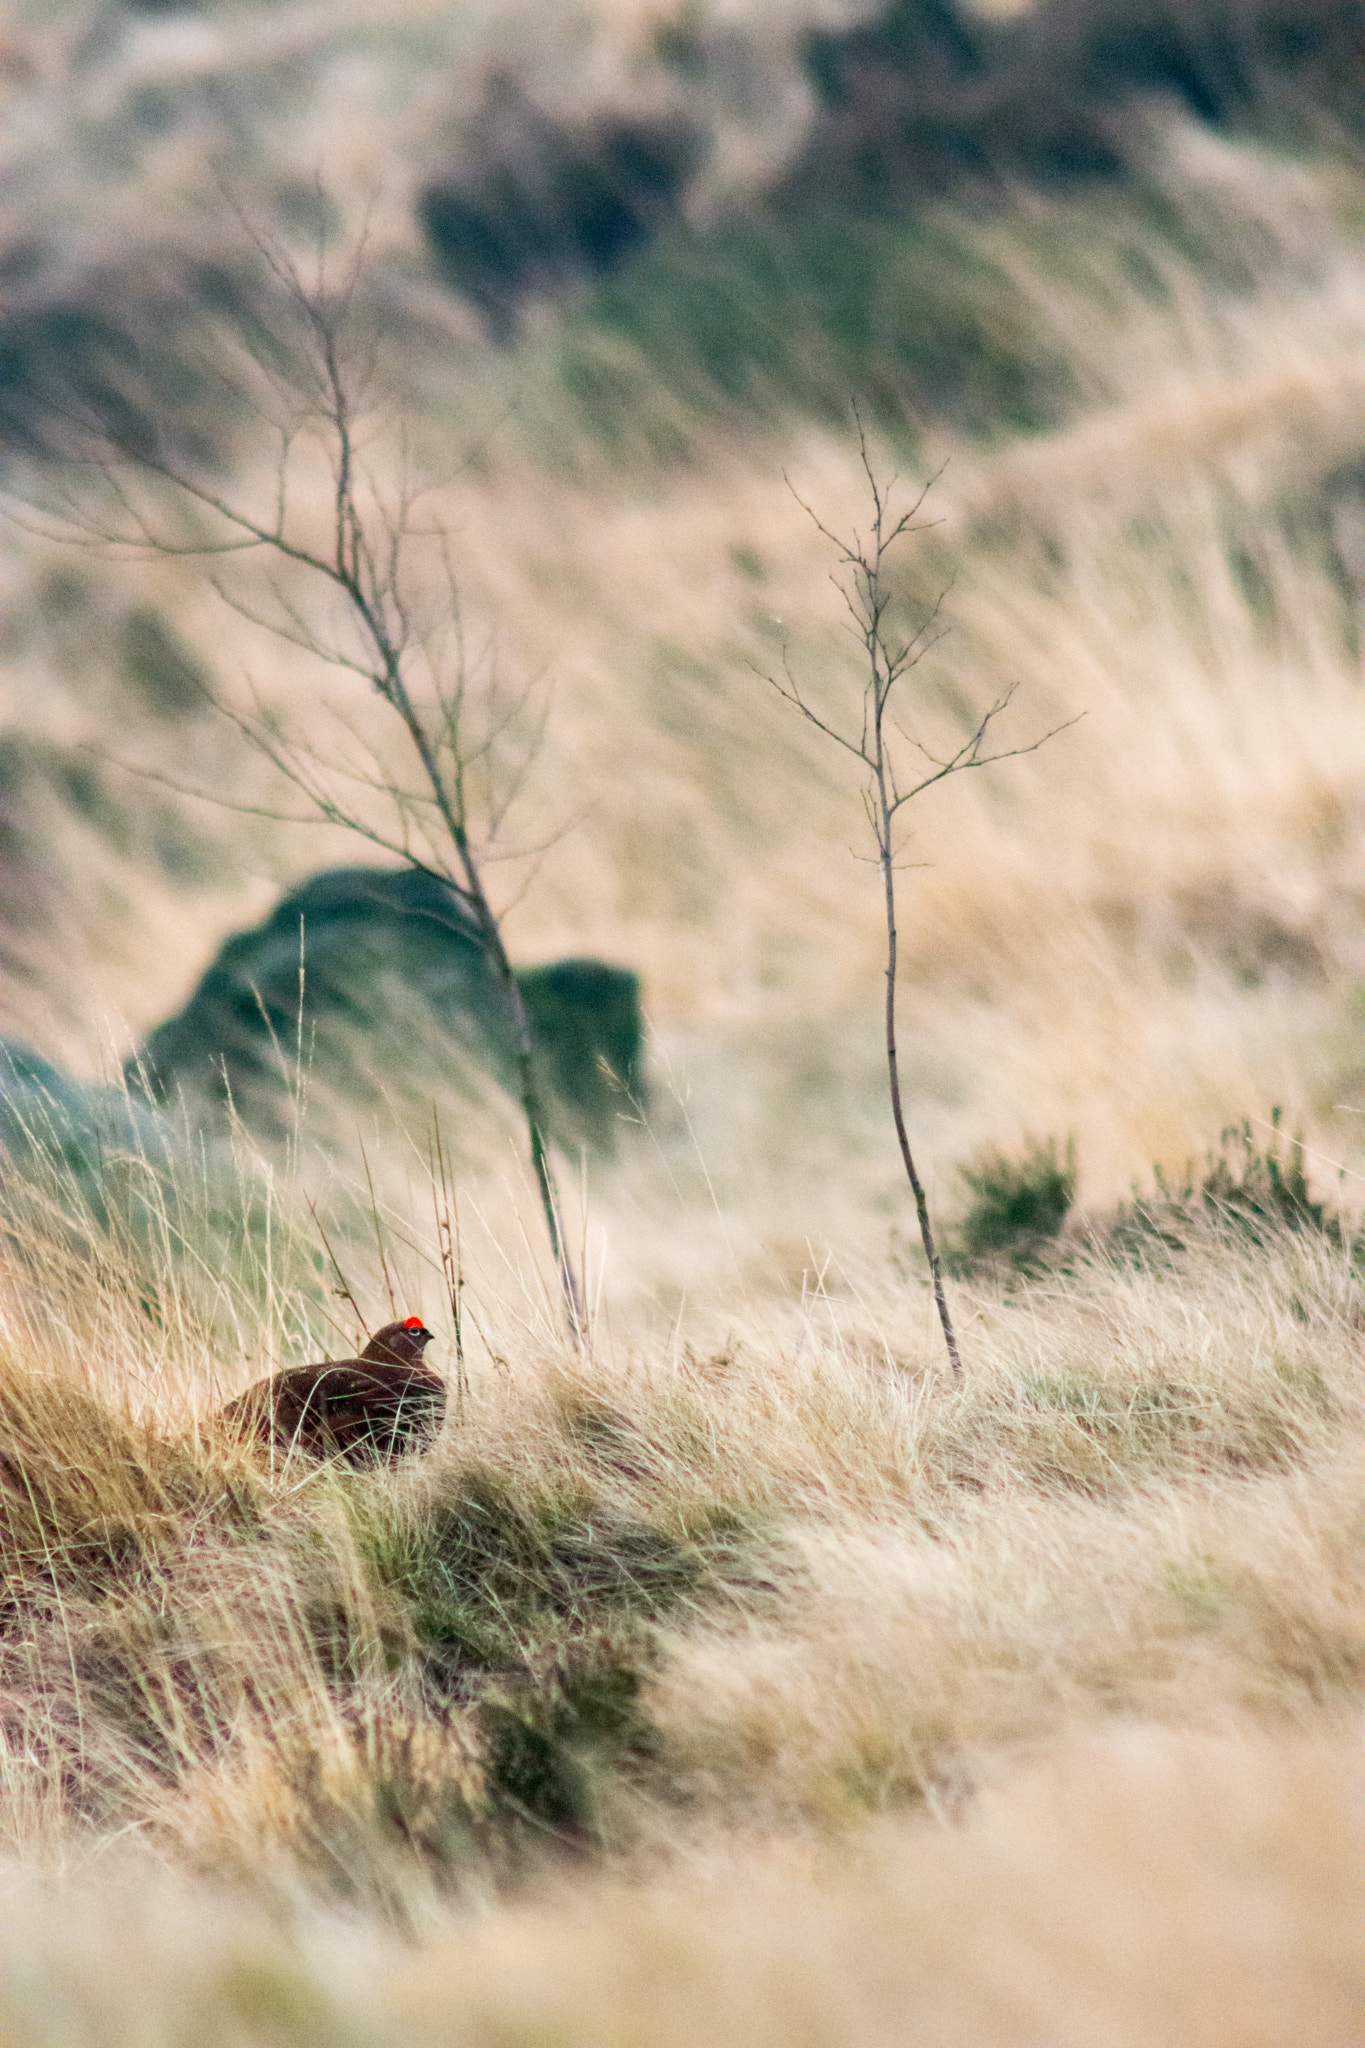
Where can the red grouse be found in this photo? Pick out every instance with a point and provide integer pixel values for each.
(362, 1411)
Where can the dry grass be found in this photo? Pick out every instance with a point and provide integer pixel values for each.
(1196, 1891)
(827, 1666)
(784, 1634)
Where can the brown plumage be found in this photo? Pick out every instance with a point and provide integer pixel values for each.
(363, 1411)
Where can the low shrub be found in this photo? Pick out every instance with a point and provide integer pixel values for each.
(1243, 1189)
(1017, 1209)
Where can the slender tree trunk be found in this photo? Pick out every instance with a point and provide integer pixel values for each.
(533, 1110)
(893, 1069)
(890, 659)
(540, 1158)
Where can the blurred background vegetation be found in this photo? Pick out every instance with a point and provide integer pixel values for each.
(1096, 261)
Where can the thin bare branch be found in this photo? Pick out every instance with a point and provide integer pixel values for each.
(890, 660)
(357, 600)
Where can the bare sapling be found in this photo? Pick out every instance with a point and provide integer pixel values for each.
(340, 554)
(897, 766)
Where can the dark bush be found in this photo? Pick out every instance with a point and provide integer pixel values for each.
(153, 662)
(925, 94)
(1244, 1189)
(533, 204)
(1018, 1206)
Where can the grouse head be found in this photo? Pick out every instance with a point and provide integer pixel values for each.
(398, 1343)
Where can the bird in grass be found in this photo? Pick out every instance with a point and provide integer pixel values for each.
(362, 1411)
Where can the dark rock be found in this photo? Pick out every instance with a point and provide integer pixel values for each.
(47, 1117)
(334, 979)
(585, 1017)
